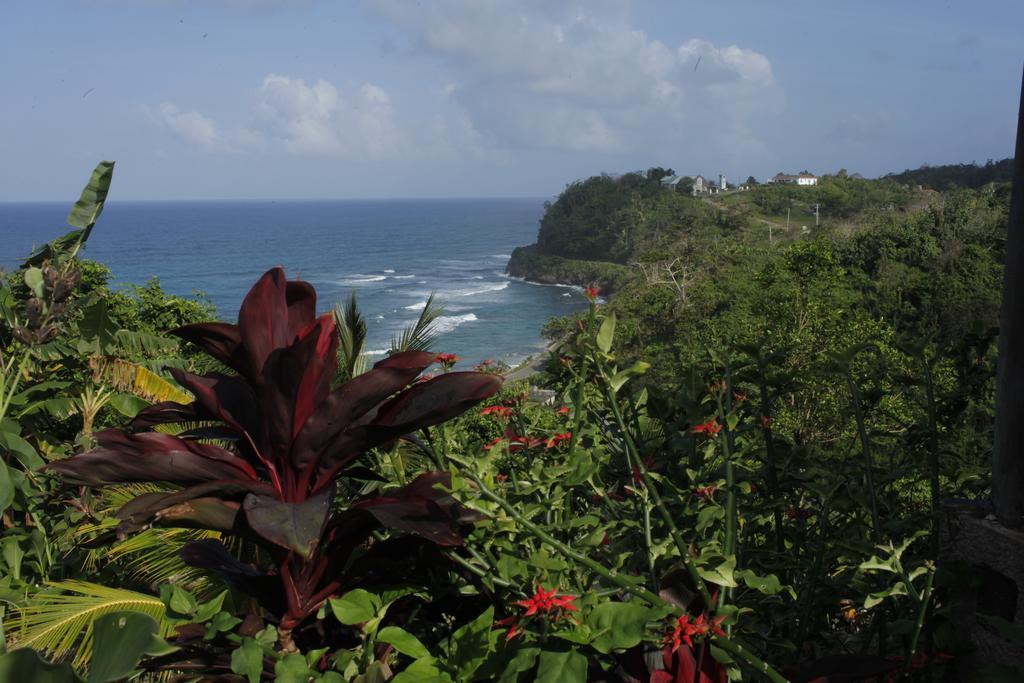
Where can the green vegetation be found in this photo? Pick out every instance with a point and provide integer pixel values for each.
(952, 176)
(739, 479)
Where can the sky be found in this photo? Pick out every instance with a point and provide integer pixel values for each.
(296, 99)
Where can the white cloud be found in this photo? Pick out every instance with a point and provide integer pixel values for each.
(201, 131)
(304, 119)
(320, 119)
(581, 77)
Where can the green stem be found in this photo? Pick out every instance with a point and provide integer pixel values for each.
(632, 585)
(865, 443)
(739, 650)
(581, 381)
(921, 612)
(633, 454)
(933, 453)
(731, 514)
(769, 451)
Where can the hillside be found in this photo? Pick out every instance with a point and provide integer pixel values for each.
(950, 176)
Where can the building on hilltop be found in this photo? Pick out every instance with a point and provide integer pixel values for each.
(803, 178)
(671, 182)
(700, 185)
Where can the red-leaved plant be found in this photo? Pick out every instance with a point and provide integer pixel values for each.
(291, 438)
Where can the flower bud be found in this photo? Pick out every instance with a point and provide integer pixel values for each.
(50, 275)
(23, 335)
(47, 333)
(34, 312)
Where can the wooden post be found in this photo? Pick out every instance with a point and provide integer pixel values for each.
(1008, 454)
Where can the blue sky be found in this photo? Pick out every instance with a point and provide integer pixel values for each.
(394, 98)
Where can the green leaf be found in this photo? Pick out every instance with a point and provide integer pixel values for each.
(524, 660)
(178, 599)
(606, 334)
(617, 625)
(769, 585)
(721, 575)
(34, 281)
(6, 487)
(561, 667)
(291, 668)
(119, 641)
(22, 450)
(13, 555)
(90, 204)
(472, 643)
(221, 623)
(208, 609)
(355, 607)
(26, 665)
(96, 329)
(403, 641)
(127, 404)
(422, 671)
(247, 660)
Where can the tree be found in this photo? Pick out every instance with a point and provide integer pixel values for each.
(751, 180)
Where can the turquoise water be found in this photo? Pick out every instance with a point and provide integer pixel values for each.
(392, 253)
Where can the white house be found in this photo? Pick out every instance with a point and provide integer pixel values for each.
(805, 179)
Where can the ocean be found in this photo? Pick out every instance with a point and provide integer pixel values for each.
(392, 253)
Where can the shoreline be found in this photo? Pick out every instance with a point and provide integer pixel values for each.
(533, 365)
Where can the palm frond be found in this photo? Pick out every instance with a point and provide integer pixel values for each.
(351, 327)
(59, 619)
(419, 336)
(136, 379)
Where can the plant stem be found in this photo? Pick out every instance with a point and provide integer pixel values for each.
(631, 584)
(581, 381)
(866, 448)
(926, 595)
(737, 649)
(769, 451)
(933, 453)
(731, 516)
(666, 516)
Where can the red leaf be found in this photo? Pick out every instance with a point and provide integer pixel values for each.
(300, 298)
(263, 319)
(422, 507)
(150, 456)
(353, 400)
(220, 340)
(229, 399)
(436, 400)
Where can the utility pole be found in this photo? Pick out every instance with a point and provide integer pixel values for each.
(788, 209)
(816, 208)
(1008, 456)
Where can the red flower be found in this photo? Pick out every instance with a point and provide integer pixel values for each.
(547, 602)
(564, 410)
(518, 442)
(685, 631)
(557, 439)
(706, 491)
(503, 412)
(799, 512)
(494, 443)
(541, 603)
(766, 421)
(591, 293)
(711, 428)
(446, 360)
(501, 477)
